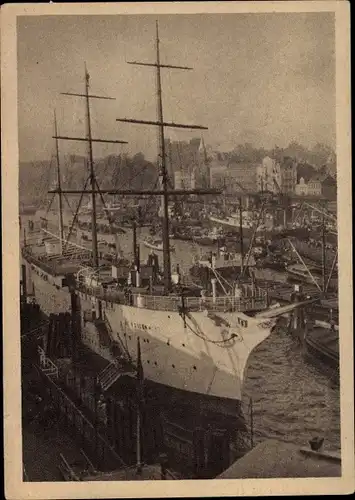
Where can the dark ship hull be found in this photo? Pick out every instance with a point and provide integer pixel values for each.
(323, 344)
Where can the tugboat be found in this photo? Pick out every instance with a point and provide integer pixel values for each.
(205, 237)
(228, 265)
(182, 234)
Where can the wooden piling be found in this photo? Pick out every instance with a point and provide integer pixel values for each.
(199, 452)
(24, 283)
(81, 427)
(218, 453)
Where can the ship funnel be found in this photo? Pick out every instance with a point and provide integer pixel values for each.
(214, 291)
(213, 263)
(175, 277)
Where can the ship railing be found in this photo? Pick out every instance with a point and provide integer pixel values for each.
(46, 364)
(225, 303)
(108, 294)
(68, 255)
(32, 236)
(30, 241)
(38, 330)
(174, 303)
(40, 261)
(48, 262)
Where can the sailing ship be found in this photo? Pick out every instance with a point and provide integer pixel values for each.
(195, 348)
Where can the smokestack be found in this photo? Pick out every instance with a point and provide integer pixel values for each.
(213, 282)
(138, 258)
(138, 280)
(134, 242)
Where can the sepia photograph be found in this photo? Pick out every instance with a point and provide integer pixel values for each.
(176, 240)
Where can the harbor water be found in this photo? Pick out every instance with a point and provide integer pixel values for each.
(292, 399)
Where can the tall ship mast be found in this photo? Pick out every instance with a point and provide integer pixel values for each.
(59, 187)
(92, 176)
(194, 347)
(161, 124)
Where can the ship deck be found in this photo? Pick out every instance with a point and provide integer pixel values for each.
(142, 298)
(56, 265)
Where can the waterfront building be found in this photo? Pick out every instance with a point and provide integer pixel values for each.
(319, 185)
(236, 178)
(242, 177)
(268, 176)
(288, 175)
(218, 172)
(188, 163)
(184, 180)
(322, 185)
(277, 176)
(301, 188)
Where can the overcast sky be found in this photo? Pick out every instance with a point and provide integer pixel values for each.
(262, 78)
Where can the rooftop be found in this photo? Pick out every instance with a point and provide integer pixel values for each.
(319, 177)
(242, 165)
(278, 459)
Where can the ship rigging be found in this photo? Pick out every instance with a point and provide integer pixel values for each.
(164, 191)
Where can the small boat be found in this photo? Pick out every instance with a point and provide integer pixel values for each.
(204, 241)
(312, 250)
(181, 236)
(181, 233)
(323, 344)
(275, 262)
(206, 238)
(300, 273)
(155, 244)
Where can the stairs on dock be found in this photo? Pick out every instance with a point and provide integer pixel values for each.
(46, 364)
(111, 373)
(39, 330)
